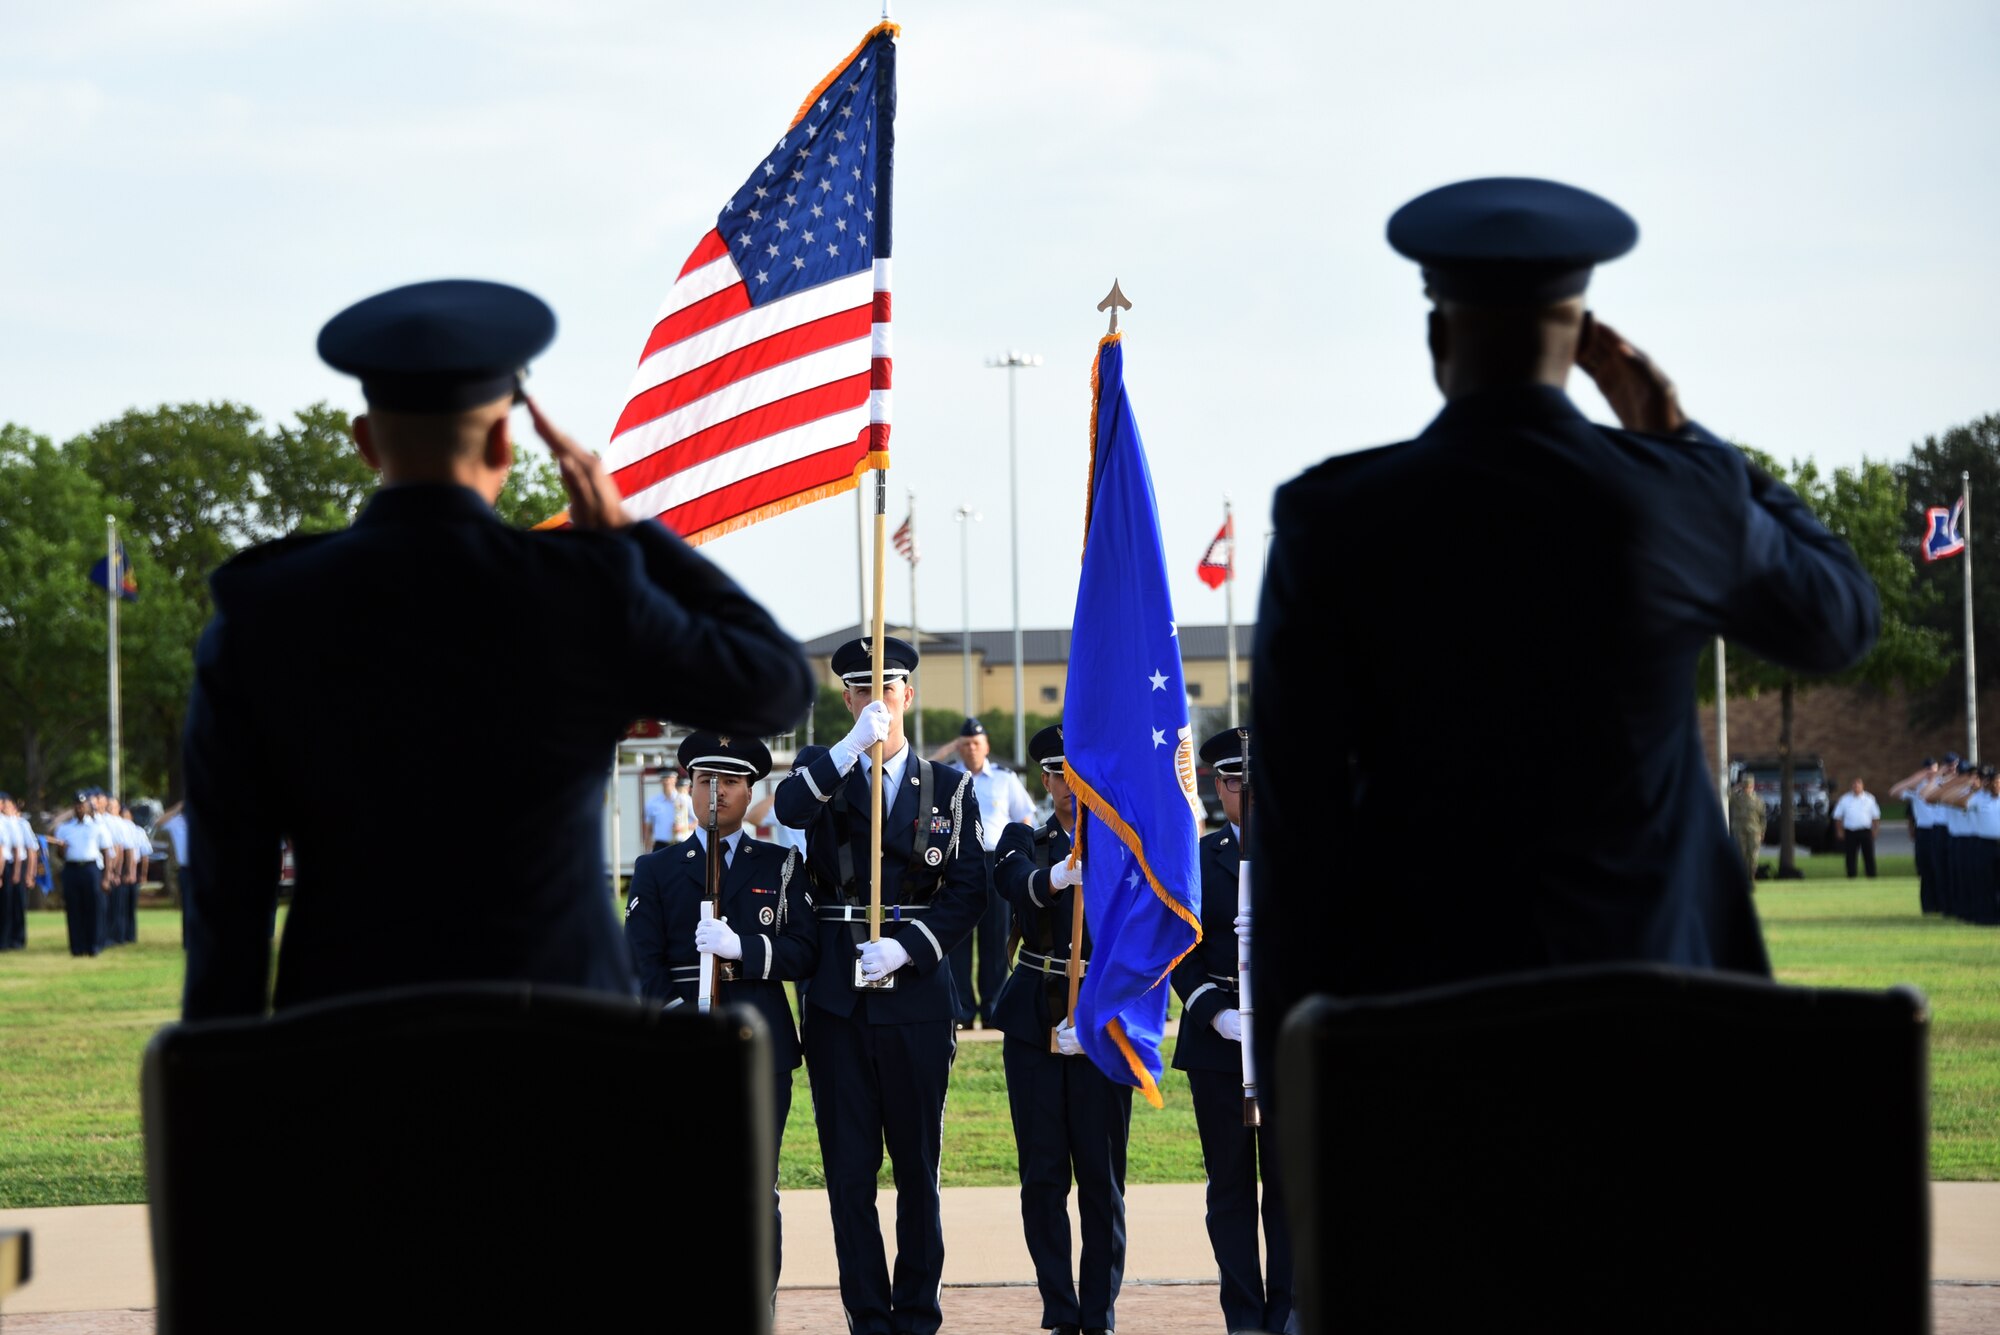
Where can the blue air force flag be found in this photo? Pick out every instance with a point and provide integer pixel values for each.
(1128, 753)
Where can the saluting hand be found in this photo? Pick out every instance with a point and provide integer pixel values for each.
(1637, 390)
(594, 501)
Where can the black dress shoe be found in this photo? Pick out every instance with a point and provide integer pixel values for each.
(1067, 1328)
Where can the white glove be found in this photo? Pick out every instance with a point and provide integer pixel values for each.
(714, 936)
(1243, 927)
(1067, 1042)
(1229, 1024)
(1062, 876)
(881, 958)
(871, 725)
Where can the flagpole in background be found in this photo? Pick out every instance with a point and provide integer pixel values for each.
(1971, 681)
(916, 636)
(1229, 606)
(1012, 362)
(966, 514)
(114, 584)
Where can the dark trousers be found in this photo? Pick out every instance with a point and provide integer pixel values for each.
(991, 934)
(1929, 898)
(1958, 848)
(1982, 881)
(14, 906)
(132, 907)
(1069, 1119)
(876, 1083)
(781, 1089)
(1253, 1297)
(83, 906)
(1860, 842)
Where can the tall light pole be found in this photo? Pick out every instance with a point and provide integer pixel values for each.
(965, 516)
(1014, 361)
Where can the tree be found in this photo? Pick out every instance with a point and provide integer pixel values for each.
(534, 492)
(52, 619)
(1868, 507)
(312, 478)
(1933, 475)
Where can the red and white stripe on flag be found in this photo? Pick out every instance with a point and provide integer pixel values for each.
(906, 541)
(1217, 561)
(745, 404)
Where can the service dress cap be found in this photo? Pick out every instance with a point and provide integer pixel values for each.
(725, 754)
(1046, 747)
(1510, 241)
(1223, 752)
(438, 347)
(972, 727)
(853, 661)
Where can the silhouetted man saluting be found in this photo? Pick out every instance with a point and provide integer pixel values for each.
(341, 669)
(1518, 586)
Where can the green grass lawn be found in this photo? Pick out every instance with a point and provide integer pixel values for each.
(71, 1032)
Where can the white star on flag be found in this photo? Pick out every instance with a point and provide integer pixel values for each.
(1159, 737)
(1159, 680)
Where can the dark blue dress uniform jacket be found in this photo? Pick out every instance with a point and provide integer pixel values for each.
(1032, 1001)
(767, 901)
(355, 685)
(1206, 979)
(953, 892)
(1521, 594)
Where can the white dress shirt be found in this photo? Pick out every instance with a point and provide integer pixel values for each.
(1857, 813)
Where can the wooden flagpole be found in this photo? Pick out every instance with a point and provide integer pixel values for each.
(876, 751)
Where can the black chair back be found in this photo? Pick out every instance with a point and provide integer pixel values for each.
(1625, 1149)
(485, 1157)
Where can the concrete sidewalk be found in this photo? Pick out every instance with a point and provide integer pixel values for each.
(94, 1260)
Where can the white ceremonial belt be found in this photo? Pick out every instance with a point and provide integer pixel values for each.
(859, 912)
(1055, 964)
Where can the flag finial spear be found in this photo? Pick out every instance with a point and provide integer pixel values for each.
(1113, 301)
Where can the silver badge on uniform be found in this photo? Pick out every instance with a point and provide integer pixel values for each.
(933, 856)
(766, 917)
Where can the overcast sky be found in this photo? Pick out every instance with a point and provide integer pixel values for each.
(190, 188)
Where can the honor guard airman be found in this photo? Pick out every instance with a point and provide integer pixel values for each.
(1003, 799)
(1069, 1119)
(86, 844)
(428, 611)
(18, 856)
(879, 1029)
(766, 933)
(1210, 1050)
(1582, 568)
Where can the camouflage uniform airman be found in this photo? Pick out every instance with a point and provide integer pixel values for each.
(1746, 822)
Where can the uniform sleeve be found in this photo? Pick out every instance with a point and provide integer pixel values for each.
(792, 951)
(807, 789)
(1021, 807)
(1201, 999)
(961, 897)
(234, 833)
(687, 621)
(646, 932)
(1800, 597)
(1016, 878)
(1304, 780)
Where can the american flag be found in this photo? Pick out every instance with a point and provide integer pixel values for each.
(905, 539)
(765, 381)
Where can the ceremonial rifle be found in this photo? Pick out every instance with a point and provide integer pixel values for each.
(713, 969)
(1252, 1114)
